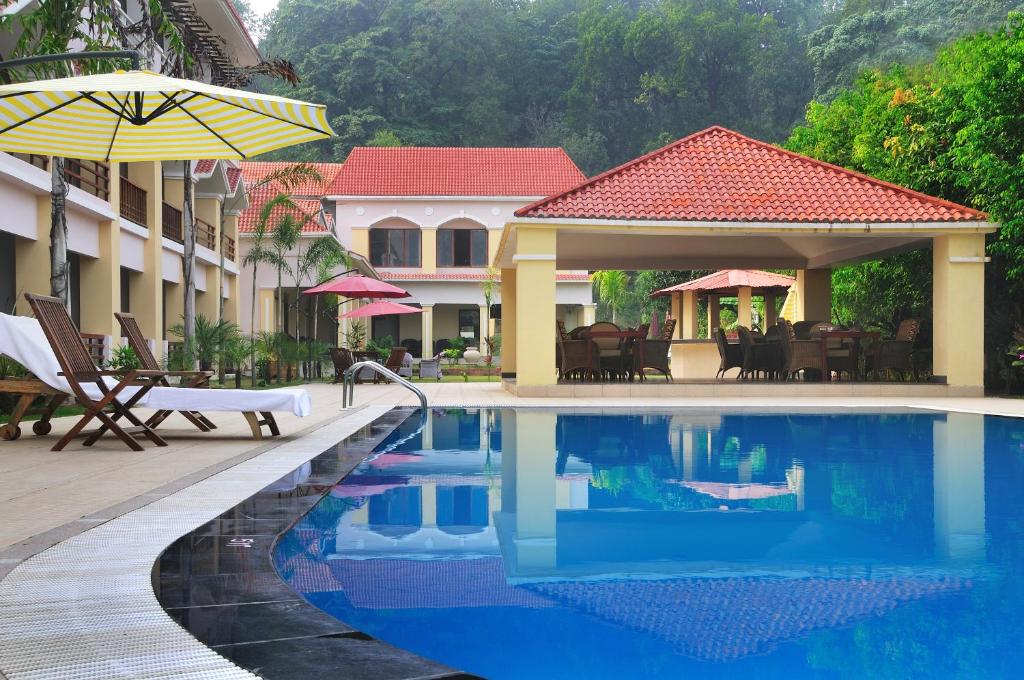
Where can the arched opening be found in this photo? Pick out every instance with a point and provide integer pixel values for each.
(395, 242)
(462, 242)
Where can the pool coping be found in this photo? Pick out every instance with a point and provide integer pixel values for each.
(33, 594)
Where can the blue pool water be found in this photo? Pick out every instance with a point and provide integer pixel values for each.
(534, 543)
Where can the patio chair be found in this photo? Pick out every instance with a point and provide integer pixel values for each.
(803, 329)
(406, 368)
(731, 356)
(655, 355)
(109, 399)
(667, 330)
(137, 341)
(612, 360)
(393, 362)
(342, 359)
(431, 368)
(758, 357)
(897, 354)
(842, 354)
(800, 355)
(577, 359)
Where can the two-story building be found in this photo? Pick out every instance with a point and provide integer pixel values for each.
(125, 219)
(430, 220)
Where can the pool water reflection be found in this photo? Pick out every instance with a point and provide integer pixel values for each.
(542, 544)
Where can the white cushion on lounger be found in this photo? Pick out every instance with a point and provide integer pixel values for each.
(22, 339)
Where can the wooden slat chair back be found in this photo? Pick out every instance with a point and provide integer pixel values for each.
(137, 341)
(78, 368)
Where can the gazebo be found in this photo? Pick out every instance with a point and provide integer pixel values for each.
(718, 199)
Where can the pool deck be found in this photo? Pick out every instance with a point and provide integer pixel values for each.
(61, 513)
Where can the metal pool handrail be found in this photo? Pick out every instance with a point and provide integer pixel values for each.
(348, 387)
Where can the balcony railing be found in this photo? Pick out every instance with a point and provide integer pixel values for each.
(227, 245)
(133, 203)
(92, 177)
(41, 162)
(206, 234)
(172, 223)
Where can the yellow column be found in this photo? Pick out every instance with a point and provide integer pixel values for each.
(175, 311)
(714, 318)
(958, 304)
(814, 294)
(508, 323)
(147, 288)
(207, 304)
(535, 281)
(959, 487)
(266, 310)
(589, 315)
(428, 255)
(32, 258)
(688, 319)
(233, 303)
(744, 307)
(676, 312)
(485, 327)
(427, 331)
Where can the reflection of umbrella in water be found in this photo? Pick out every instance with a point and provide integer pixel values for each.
(381, 308)
(738, 492)
(361, 490)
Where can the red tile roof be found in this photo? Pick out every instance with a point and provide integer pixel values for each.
(721, 175)
(256, 171)
(306, 211)
(730, 279)
(462, 276)
(205, 166)
(234, 175)
(454, 171)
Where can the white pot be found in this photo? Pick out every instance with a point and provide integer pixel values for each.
(471, 355)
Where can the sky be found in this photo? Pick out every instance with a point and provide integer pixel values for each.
(262, 6)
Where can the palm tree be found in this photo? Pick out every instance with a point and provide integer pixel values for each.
(612, 289)
(261, 253)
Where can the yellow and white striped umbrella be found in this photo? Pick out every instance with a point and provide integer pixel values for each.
(144, 116)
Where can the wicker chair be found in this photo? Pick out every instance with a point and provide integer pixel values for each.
(800, 355)
(758, 357)
(667, 330)
(577, 359)
(897, 354)
(842, 354)
(731, 355)
(803, 329)
(655, 356)
(614, 359)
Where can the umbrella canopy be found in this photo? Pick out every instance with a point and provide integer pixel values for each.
(144, 116)
(381, 308)
(358, 287)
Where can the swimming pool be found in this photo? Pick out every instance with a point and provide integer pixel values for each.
(534, 543)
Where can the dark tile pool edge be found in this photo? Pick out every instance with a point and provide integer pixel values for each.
(220, 584)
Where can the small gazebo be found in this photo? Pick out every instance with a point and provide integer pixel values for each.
(742, 284)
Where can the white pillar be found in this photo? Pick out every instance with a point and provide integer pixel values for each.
(427, 332)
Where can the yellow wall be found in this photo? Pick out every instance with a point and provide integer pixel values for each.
(428, 246)
(958, 309)
(146, 289)
(32, 258)
(361, 241)
(814, 294)
(100, 278)
(508, 321)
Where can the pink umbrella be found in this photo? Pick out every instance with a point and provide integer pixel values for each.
(381, 308)
(358, 287)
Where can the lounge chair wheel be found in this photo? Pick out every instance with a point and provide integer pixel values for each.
(41, 427)
(10, 433)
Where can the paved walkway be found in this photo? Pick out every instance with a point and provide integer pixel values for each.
(48, 496)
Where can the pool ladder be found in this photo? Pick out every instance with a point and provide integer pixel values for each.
(348, 387)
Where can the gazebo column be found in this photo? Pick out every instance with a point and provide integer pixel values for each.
(770, 314)
(958, 304)
(714, 314)
(744, 314)
(535, 282)
(508, 323)
(814, 294)
(688, 321)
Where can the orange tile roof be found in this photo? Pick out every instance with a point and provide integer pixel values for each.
(255, 171)
(721, 175)
(234, 175)
(730, 279)
(306, 211)
(463, 276)
(455, 171)
(205, 166)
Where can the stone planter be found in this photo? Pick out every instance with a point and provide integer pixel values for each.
(471, 356)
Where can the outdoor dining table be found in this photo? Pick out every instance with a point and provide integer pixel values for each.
(856, 336)
(621, 335)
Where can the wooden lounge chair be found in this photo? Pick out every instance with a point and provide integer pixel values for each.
(137, 341)
(393, 362)
(77, 367)
(342, 360)
(28, 389)
(730, 356)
